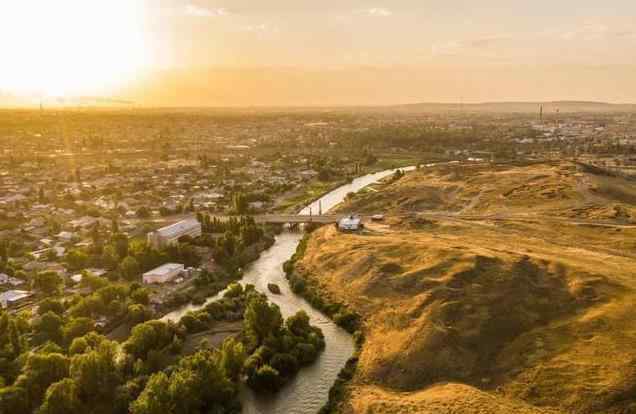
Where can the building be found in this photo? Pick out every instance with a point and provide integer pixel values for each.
(163, 273)
(350, 223)
(8, 280)
(13, 297)
(168, 235)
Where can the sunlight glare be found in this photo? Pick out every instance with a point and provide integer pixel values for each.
(70, 47)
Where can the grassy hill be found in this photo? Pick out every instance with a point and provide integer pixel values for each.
(489, 315)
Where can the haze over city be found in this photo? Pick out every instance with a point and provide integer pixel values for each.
(297, 53)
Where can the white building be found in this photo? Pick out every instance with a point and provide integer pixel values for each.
(349, 223)
(13, 297)
(163, 273)
(8, 280)
(168, 235)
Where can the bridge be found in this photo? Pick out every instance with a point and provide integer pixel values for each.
(296, 219)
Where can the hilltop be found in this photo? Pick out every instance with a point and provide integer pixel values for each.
(489, 289)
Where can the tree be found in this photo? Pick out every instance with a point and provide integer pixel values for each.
(154, 399)
(143, 212)
(114, 226)
(96, 373)
(77, 259)
(50, 305)
(138, 314)
(148, 336)
(48, 327)
(140, 296)
(130, 268)
(232, 358)
(13, 400)
(40, 371)
(109, 257)
(92, 282)
(265, 378)
(285, 364)
(62, 398)
(47, 282)
(299, 324)
(77, 327)
(240, 203)
(121, 244)
(262, 319)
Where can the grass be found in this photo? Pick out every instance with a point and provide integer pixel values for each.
(517, 317)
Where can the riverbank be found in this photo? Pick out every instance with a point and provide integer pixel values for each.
(339, 313)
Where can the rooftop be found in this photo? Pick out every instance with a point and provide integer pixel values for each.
(178, 228)
(165, 269)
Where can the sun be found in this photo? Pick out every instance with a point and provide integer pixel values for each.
(70, 47)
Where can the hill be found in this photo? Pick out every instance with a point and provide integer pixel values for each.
(519, 107)
(483, 293)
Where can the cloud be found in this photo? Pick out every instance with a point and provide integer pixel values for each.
(379, 12)
(197, 11)
(588, 31)
(457, 47)
(261, 30)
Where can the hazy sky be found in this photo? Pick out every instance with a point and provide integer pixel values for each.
(285, 52)
(362, 32)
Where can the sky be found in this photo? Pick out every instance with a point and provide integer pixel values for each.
(329, 52)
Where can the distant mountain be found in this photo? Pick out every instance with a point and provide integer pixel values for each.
(527, 107)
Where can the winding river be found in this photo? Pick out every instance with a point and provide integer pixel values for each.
(309, 390)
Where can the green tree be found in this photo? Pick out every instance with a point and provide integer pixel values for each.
(138, 313)
(62, 398)
(130, 268)
(143, 212)
(96, 373)
(148, 336)
(265, 378)
(47, 282)
(140, 296)
(14, 400)
(48, 327)
(120, 242)
(109, 257)
(76, 259)
(77, 327)
(262, 319)
(299, 324)
(232, 358)
(50, 305)
(154, 399)
(40, 371)
(240, 203)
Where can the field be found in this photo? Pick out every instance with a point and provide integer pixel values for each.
(489, 290)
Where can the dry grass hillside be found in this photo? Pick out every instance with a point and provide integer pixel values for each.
(489, 316)
(561, 189)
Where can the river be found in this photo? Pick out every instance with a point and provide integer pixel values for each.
(309, 390)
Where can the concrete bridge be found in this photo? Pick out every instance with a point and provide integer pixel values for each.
(296, 219)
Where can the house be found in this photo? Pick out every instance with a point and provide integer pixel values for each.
(8, 280)
(13, 297)
(65, 236)
(350, 223)
(163, 273)
(168, 235)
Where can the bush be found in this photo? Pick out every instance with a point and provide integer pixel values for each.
(286, 364)
(305, 353)
(265, 378)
